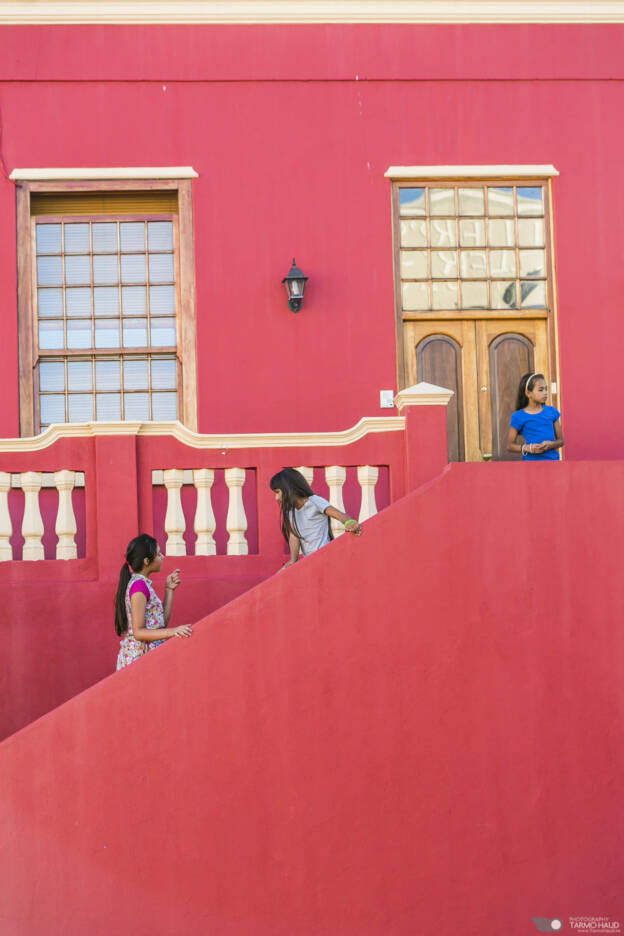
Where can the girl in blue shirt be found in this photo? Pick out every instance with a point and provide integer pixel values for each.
(538, 424)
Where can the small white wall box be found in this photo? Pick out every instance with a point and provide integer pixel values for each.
(386, 399)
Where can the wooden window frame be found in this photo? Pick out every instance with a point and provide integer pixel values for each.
(437, 315)
(184, 258)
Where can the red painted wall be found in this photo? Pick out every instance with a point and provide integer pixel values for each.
(355, 746)
(291, 130)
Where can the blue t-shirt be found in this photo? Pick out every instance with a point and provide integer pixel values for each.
(537, 427)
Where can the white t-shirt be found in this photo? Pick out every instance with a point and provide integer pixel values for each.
(313, 524)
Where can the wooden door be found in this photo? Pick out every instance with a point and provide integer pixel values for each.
(505, 351)
(482, 363)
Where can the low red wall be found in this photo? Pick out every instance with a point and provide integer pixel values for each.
(414, 732)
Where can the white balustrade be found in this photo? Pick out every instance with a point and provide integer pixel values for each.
(32, 524)
(205, 523)
(236, 522)
(335, 475)
(308, 474)
(6, 527)
(65, 527)
(175, 523)
(367, 476)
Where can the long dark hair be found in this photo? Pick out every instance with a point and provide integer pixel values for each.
(139, 549)
(527, 382)
(293, 485)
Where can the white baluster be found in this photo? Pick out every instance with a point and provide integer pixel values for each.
(32, 524)
(175, 524)
(308, 474)
(6, 527)
(236, 522)
(65, 527)
(204, 515)
(336, 476)
(367, 476)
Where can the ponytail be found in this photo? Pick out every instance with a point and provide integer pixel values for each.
(139, 549)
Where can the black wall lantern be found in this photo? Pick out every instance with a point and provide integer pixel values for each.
(295, 284)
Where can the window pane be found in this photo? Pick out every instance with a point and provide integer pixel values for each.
(412, 202)
(164, 374)
(531, 201)
(162, 300)
(136, 406)
(473, 263)
(531, 233)
(500, 201)
(415, 296)
(107, 333)
(503, 263)
(78, 302)
(80, 407)
(443, 263)
(471, 201)
(532, 263)
(132, 235)
(135, 333)
(79, 375)
(414, 264)
(107, 375)
(52, 375)
(52, 409)
(472, 233)
(160, 235)
(444, 295)
(76, 238)
(135, 374)
(50, 303)
(79, 334)
(442, 234)
(533, 294)
(133, 300)
(108, 406)
(161, 268)
(48, 238)
(106, 300)
(442, 201)
(77, 270)
(133, 268)
(474, 296)
(501, 233)
(163, 333)
(51, 335)
(49, 271)
(164, 406)
(105, 269)
(503, 295)
(104, 237)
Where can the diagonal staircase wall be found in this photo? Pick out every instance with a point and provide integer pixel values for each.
(414, 732)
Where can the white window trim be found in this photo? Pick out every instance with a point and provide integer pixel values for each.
(103, 175)
(470, 172)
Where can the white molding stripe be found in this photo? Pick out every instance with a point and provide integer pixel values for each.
(366, 425)
(470, 172)
(80, 174)
(311, 11)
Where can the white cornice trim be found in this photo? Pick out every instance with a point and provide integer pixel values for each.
(176, 430)
(312, 11)
(470, 172)
(422, 394)
(82, 174)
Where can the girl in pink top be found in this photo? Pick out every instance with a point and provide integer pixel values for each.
(140, 617)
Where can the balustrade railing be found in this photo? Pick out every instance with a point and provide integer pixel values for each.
(34, 485)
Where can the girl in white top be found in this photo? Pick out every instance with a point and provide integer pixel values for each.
(305, 515)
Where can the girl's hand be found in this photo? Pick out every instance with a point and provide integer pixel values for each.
(354, 527)
(184, 630)
(173, 580)
(286, 564)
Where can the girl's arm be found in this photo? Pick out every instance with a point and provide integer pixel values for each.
(294, 544)
(512, 445)
(138, 603)
(350, 525)
(558, 442)
(171, 584)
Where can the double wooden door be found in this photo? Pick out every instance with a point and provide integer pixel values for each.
(482, 361)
